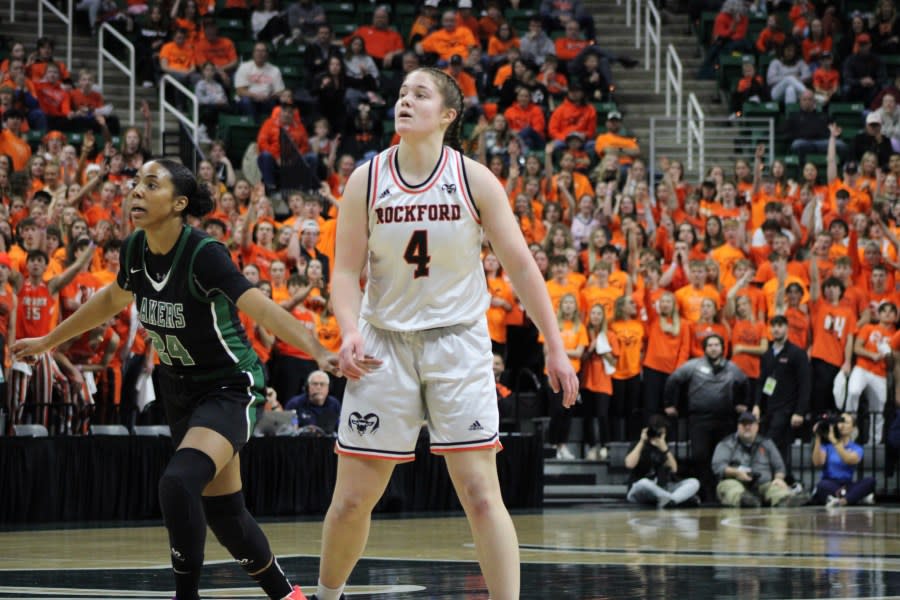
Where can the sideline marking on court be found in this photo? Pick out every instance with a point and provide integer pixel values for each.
(730, 522)
(242, 592)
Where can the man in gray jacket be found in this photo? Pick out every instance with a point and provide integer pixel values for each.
(716, 392)
(750, 469)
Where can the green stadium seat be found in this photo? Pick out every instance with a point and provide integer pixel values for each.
(603, 109)
(292, 75)
(730, 69)
(847, 114)
(704, 31)
(239, 137)
(892, 65)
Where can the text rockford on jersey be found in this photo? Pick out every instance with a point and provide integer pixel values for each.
(415, 213)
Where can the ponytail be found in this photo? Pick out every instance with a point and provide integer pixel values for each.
(200, 201)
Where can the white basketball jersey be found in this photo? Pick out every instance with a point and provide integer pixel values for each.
(424, 248)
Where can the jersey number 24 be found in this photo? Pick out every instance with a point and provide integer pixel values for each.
(169, 348)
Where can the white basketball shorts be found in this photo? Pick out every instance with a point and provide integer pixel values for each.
(440, 377)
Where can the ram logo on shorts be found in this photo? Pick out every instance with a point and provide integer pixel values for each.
(363, 424)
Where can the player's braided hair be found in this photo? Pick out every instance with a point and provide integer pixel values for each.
(453, 98)
(200, 200)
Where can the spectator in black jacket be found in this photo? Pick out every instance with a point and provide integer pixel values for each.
(783, 393)
(863, 72)
(808, 128)
(716, 390)
(872, 140)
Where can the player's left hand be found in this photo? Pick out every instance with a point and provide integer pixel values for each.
(562, 377)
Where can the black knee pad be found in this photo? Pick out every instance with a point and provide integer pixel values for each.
(237, 530)
(183, 481)
(180, 488)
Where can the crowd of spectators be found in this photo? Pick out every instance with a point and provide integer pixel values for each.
(641, 271)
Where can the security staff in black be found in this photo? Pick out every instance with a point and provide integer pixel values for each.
(187, 289)
(783, 390)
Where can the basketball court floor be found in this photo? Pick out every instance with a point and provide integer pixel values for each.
(578, 553)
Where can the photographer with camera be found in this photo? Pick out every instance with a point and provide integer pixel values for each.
(750, 469)
(653, 470)
(835, 451)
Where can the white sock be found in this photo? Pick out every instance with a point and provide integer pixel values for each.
(326, 593)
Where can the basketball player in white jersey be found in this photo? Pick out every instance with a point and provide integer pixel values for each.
(416, 213)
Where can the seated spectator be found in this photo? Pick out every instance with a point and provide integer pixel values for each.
(176, 58)
(536, 45)
(750, 87)
(826, 81)
(886, 30)
(729, 35)
(449, 39)
(835, 451)
(268, 24)
(526, 119)
(361, 68)
(212, 99)
(750, 469)
(88, 109)
(557, 14)
(816, 43)
(771, 38)
(808, 128)
(220, 51)
(625, 148)
(382, 42)
(284, 119)
(466, 83)
(12, 143)
(257, 83)
(653, 470)
(872, 139)
(570, 45)
(423, 24)
(800, 14)
(319, 50)
(315, 406)
(304, 17)
(863, 72)
(503, 40)
(24, 95)
(574, 114)
(152, 33)
(890, 119)
(54, 98)
(788, 75)
(36, 67)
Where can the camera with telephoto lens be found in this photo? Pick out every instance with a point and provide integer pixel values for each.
(653, 433)
(826, 423)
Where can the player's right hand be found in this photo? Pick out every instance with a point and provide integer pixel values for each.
(29, 347)
(354, 363)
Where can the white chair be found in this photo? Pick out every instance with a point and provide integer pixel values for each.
(152, 430)
(30, 431)
(109, 430)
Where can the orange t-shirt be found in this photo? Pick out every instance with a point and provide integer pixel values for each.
(36, 312)
(747, 333)
(690, 300)
(180, 59)
(873, 334)
(220, 53)
(798, 327)
(606, 297)
(630, 335)
(594, 377)
(497, 315)
(557, 291)
(308, 319)
(447, 43)
(329, 333)
(665, 352)
(253, 337)
(832, 326)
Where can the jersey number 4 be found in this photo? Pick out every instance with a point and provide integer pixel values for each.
(417, 253)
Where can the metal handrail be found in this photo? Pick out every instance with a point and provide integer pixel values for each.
(165, 106)
(695, 125)
(637, 23)
(653, 34)
(102, 53)
(674, 77)
(12, 11)
(67, 21)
